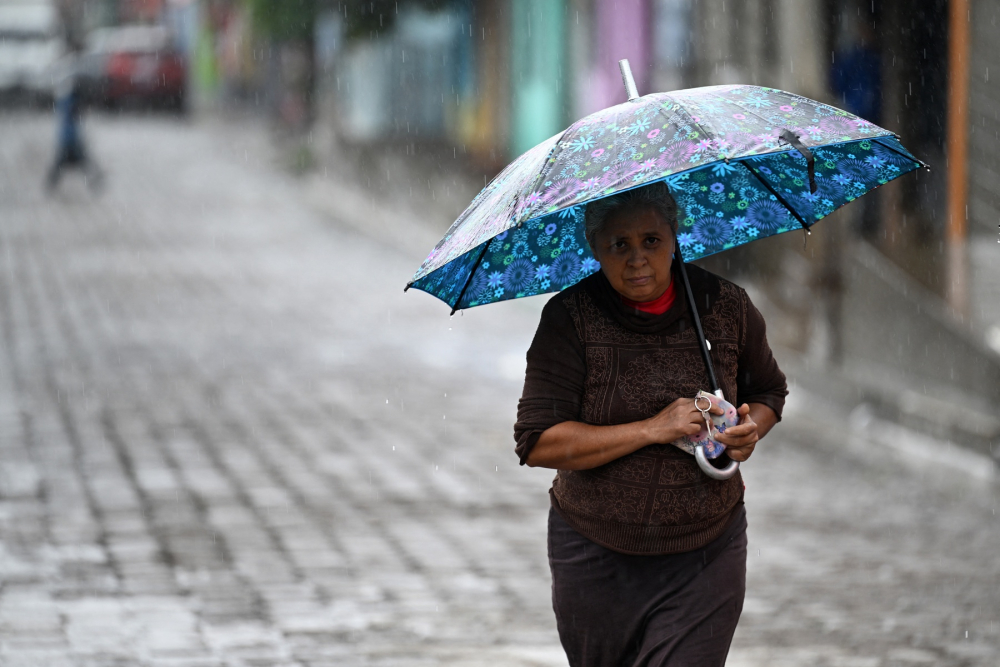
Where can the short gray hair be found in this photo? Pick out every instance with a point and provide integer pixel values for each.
(655, 196)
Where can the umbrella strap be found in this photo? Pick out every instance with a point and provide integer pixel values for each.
(696, 319)
(792, 139)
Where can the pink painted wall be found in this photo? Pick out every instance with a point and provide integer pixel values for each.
(621, 29)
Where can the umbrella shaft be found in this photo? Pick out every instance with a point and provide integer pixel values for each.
(702, 343)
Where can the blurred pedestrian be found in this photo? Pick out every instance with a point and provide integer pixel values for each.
(71, 151)
(647, 553)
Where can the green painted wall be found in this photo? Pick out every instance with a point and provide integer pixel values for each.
(538, 71)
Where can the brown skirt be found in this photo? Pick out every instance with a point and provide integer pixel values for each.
(614, 609)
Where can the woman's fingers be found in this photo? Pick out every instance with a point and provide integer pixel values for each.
(742, 441)
(738, 436)
(740, 454)
(740, 430)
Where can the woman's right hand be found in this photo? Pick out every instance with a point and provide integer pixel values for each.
(677, 420)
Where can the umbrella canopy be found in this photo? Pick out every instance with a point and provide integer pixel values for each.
(742, 162)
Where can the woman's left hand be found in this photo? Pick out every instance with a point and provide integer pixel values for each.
(742, 438)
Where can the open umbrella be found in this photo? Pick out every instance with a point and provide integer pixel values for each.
(742, 162)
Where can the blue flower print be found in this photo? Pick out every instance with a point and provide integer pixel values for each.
(738, 223)
(568, 242)
(589, 265)
(718, 187)
(767, 216)
(565, 269)
(495, 279)
(542, 272)
(569, 212)
(640, 125)
(720, 169)
(550, 228)
(582, 143)
(685, 239)
(518, 275)
(712, 231)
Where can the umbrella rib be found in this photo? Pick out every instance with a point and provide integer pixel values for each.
(691, 117)
(775, 193)
(468, 280)
(908, 157)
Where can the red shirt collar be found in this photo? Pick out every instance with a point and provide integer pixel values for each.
(657, 306)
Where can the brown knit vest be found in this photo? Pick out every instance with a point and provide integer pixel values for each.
(655, 500)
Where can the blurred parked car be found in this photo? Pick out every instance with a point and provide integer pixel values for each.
(30, 46)
(133, 64)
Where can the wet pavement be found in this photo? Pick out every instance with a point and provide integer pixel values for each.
(228, 438)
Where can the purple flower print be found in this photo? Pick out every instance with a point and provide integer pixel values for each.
(618, 173)
(837, 126)
(561, 191)
(598, 153)
(676, 155)
(652, 134)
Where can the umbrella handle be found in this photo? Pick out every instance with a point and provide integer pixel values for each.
(710, 470)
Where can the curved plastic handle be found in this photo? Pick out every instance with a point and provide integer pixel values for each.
(709, 469)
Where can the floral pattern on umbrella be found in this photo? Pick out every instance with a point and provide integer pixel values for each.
(718, 150)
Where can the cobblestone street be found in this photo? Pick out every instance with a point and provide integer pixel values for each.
(228, 438)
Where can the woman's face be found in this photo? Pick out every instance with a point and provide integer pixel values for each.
(635, 251)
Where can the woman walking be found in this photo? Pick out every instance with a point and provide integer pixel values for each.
(648, 554)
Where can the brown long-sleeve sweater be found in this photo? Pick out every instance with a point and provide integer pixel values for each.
(597, 361)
